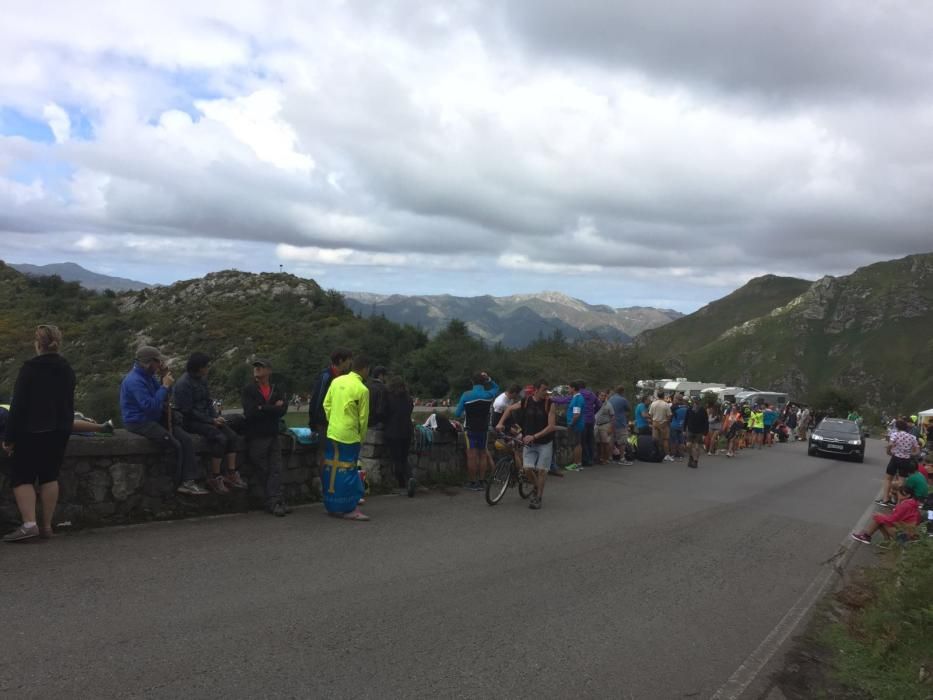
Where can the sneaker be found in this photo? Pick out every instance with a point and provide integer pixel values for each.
(46, 533)
(191, 488)
(861, 537)
(572, 467)
(412, 488)
(534, 503)
(888, 504)
(692, 464)
(880, 501)
(216, 484)
(107, 427)
(668, 458)
(626, 463)
(278, 510)
(233, 480)
(22, 533)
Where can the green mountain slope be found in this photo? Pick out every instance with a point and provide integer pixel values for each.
(756, 298)
(869, 334)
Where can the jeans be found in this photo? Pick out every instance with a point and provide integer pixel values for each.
(265, 454)
(186, 462)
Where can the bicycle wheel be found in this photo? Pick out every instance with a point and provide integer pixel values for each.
(526, 487)
(498, 482)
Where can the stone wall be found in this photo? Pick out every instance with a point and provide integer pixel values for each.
(126, 478)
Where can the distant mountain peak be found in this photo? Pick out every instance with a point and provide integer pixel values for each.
(73, 272)
(516, 320)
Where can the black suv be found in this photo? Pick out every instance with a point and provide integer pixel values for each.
(835, 436)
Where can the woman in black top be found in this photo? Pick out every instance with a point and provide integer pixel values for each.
(41, 416)
(398, 431)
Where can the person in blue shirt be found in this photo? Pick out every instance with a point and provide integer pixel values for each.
(770, 416)
(476, 405)
(622, 409)
(576, 426)
(678, 415)
(144, 402)
(642, 418)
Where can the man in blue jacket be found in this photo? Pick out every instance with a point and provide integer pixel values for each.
(144, 401)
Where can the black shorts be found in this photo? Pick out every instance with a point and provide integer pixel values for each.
(899, 466)
(37, 457)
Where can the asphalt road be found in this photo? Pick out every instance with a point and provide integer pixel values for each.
(651, 581)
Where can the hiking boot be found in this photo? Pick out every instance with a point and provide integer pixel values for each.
(412, 488)
(233, 480)
(278, 510)
(191, 488)
(216, 484)
(22, 533)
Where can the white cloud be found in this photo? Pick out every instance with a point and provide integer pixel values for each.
(58, 121)
(470, 137)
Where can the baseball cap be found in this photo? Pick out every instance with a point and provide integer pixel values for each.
(261, 362)
(147, 353)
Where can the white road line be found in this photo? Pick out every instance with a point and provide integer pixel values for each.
(758, 659)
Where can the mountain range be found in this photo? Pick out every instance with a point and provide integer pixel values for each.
(515, 321)
(72, 272)
(869, 334)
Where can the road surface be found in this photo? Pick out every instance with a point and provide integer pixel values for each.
(650, 581)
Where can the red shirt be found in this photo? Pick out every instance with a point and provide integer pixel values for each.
(907, 511)
(266, 390)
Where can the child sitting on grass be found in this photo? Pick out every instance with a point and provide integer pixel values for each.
(906, 513)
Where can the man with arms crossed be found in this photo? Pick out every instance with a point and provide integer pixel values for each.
(538, 419)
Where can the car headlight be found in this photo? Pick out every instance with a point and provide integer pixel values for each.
(855, 442)
(817, 437)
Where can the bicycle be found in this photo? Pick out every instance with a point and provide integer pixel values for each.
(506, 473)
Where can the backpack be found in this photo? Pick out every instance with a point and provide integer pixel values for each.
(648, 450)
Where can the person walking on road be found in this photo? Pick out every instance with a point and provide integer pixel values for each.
(346, 407)
(537, 416)
(37, 432)
(696, 425)
(263, 408)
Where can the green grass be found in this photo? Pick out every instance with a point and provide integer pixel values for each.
(884, 647)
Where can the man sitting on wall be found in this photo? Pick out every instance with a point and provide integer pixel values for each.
(144, 404)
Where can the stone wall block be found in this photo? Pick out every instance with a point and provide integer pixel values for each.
(94, 487)
(158, 487)
(127, 478)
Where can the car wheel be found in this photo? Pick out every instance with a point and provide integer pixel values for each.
(860, 457)
(811, 451)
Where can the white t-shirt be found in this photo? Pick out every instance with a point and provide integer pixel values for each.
(501, 403)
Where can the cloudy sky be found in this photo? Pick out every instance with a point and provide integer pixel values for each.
(625, 153)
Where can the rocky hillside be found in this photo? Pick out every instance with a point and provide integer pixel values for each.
(515, 321)
(869, 334)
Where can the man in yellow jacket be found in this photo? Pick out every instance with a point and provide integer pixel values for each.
(346, 406)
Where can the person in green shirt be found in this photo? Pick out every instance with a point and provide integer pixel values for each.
(917, 482)
(756, 422)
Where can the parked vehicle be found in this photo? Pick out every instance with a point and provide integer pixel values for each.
(837, 436)
(775, 398)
